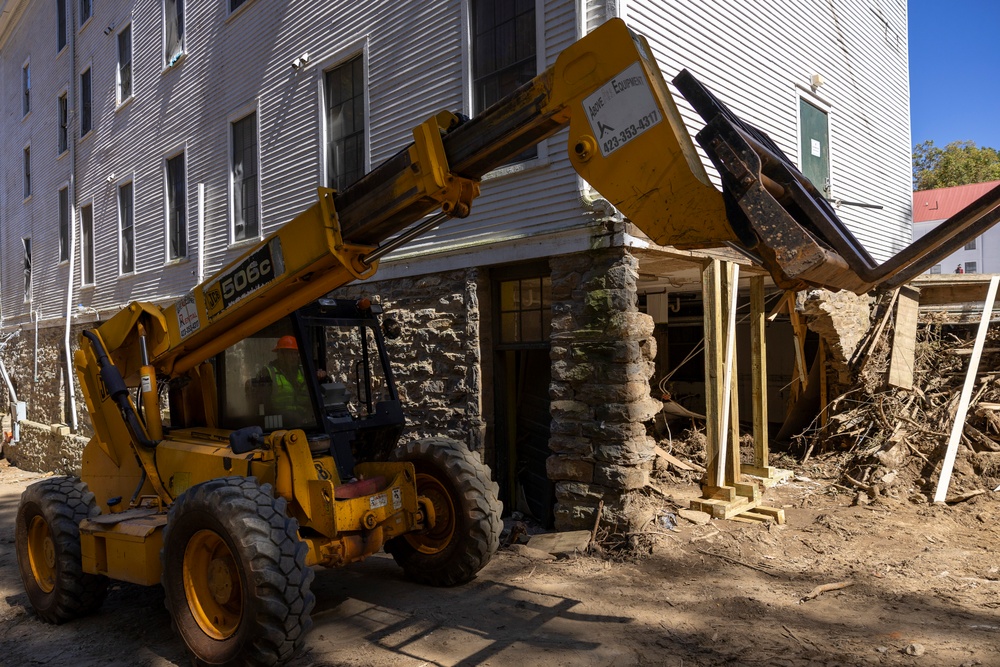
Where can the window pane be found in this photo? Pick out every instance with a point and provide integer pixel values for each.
(345, 123)
(970, 267)
(971, 245)
(173, 28)
(64, 224)
(508, 330)
(27, 171)
(85, 95)
(244, 174)
(26, 90)
(176, 208)
(87, 245)
(61, 23)
(125, 217)
(85, 9)
(531, 325)
(63, 124)
(26, 244)
(509, 295)
(125, 64)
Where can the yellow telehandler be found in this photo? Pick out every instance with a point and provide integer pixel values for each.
(267, 468)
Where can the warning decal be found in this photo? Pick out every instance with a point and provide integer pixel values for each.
(622, 109)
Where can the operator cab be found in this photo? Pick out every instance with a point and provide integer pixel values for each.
(322, 369)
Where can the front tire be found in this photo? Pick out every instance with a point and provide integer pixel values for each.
(48, 549)
(234, 574)
(466, 532)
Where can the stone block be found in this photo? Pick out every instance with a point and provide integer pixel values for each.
(621, 477)
(571, 446)
(569, 469)
(579, 491)
(570, 409)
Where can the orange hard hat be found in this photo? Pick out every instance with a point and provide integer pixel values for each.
(286, 343)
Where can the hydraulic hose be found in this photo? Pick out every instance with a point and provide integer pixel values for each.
(118, 391)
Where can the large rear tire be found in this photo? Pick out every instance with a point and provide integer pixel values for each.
(466, 532)
(48, 549)
(234, 574)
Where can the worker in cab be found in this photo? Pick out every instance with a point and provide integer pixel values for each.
(280, 388)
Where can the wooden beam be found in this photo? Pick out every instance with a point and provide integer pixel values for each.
(824, 398)
(963, 403)
(904, 339)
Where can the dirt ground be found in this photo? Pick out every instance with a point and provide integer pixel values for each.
(925, 591)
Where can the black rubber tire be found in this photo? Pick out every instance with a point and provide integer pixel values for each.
(62, 503)
(477, 523)
(269, 559)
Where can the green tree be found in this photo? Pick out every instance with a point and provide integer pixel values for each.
(958, 163)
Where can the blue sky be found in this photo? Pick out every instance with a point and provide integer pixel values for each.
(955, 71)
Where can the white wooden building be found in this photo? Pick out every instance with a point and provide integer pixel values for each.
(161, 138)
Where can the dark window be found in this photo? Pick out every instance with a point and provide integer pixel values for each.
(124, 64)
(503, 51)
(235, 4)
(64, 224)
(176, 208)
(27, 171)
(970, 267)
(125, 219)
(525, 310)
(63, 123)
(971, 245)
(26, 244)
(936, 269)
(246, 224)
(86, 9)
(26, 89)
(173, 29)
(86, 122)
(87, 243)
(345, 123)
(61, 23)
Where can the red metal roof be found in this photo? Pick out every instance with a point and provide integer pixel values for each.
(942, 203)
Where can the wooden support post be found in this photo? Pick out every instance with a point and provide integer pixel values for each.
(758, 379)
(801, 372)
(711, 280)
(963, 402)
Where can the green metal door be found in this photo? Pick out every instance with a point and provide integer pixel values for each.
(815, 145)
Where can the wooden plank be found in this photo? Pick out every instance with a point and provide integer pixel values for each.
(775, 513)
(904, 339)
(721, 509)
(729, 431)
(561, 543)
(758, 372)
(747, 491)
(963, 403)
(712, 298)
(676, 462)
(724, 493)
(801, 374)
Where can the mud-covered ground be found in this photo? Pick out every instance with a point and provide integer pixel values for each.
(925, 590)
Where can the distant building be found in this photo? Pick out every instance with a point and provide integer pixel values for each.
(932, 207)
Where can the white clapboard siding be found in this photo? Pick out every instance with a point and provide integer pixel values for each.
(753, 55)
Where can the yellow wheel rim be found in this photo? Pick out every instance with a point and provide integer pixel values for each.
(437, 538)
(42, 554)
(212, 585)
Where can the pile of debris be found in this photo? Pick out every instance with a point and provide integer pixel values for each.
(891, 442)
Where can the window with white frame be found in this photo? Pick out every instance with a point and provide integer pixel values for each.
(26, 247)
(345, 123)
(970, 267)
(243, 175)
(61, 24)
(126, 226)
(503, 51)
(173, 31)
(26, 89)
(971, 245)
(63, 139)
(64, 224)
(87, 244)
(86, 93)
(176, 208)
(125, 64)
(86, 10)
(935, 270)
(27, 171)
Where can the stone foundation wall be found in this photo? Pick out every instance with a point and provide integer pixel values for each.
(437, 360)
(40, 448)
(603, 354)
(841, 318)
